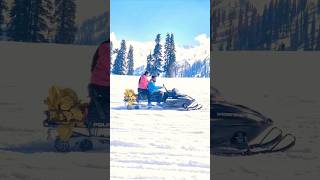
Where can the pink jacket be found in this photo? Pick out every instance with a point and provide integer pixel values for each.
(101, 73)
(143, 82)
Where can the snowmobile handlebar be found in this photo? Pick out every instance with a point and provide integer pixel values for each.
(165, 87)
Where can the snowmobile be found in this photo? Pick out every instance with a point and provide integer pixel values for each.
(72, 132)
(172, 99)
(239, 130)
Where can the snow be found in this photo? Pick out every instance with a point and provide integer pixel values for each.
(160, 144)
(284, 87)
(26, 73)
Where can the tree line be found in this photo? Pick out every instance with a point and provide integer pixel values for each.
(158, 62)
(94, 30)
(282, 25)
(38, 21)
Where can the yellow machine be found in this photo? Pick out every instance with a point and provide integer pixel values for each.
(64, 105)
(130, 98)
(66, 122)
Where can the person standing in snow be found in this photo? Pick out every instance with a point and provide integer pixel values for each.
(99, 87)
(154, 90)
(143, 86)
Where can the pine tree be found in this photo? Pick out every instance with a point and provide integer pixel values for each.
(40, 18)
(150, 63)
(20, 21)
(318, 40)
(111, 54)
(306, 40)
(120, 65)
(3, 11)
(294, 39)
(313, 31)
(238, 44)
(229, 40)
(318, 7)
(167, 49)
(264, 27)
(65, 19)
(157, 55)
(30, 20)
(170, 70)
(130, 61)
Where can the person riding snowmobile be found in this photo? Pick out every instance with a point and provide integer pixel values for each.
(154, 90)
(99, 87)
(143, 86)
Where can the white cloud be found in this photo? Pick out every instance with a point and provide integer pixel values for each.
(185, 52)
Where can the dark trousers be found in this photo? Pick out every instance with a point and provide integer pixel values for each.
(142, 93)
(158, 96)
(99, 106)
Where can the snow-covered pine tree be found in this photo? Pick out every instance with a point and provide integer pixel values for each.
(65, 14)
(313, 32)
(40, 18)
(318, 40)
(19, 20)
(30, 20)
(150, 63)
(120, 65)
(3, 11)
(294, 39)
(111, 54)
(130, 61)
(306, 40)
(166, 57)
(172, 58)
(157, 55)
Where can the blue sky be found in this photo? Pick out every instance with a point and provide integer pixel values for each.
(141, 20)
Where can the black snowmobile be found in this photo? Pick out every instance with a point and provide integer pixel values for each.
(172, 99)
(239, 130)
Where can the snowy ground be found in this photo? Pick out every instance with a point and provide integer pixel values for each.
(26, 72)
(160, 144)
(283, 86)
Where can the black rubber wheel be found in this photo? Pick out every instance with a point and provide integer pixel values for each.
(86, 145)
(61, 146)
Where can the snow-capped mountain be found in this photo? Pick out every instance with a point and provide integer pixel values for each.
(186, 55)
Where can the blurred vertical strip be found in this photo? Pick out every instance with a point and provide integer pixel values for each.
(108, 40)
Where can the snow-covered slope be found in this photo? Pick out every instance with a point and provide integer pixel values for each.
(26, 72)
(284, 87)
(160, 144)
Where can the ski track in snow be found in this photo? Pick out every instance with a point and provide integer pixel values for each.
(160, 144)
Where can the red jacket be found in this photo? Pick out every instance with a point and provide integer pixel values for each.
(143, 82)
(101, 72)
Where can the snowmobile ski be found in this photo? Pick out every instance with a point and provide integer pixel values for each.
(234, 128)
